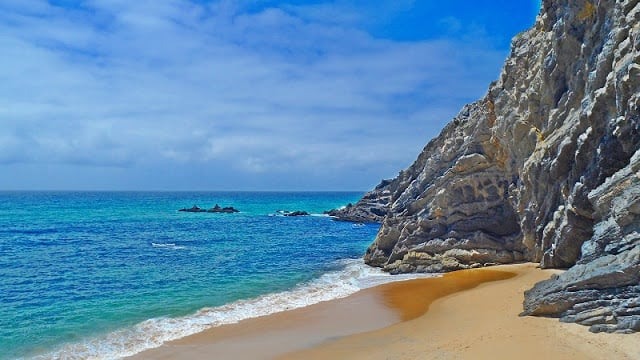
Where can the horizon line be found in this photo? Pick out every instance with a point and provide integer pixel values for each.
(167, 190)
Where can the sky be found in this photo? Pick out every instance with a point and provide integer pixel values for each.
(237, 95)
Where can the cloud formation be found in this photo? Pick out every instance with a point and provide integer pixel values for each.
(111, 94)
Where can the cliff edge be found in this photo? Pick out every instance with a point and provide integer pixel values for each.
(544, 168)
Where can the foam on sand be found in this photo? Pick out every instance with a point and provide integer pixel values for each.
(352, 276)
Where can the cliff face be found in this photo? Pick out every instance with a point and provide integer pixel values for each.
(544, 168)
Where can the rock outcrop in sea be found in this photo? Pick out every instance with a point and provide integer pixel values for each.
(291, 213)
(544, 168)
(215, 209)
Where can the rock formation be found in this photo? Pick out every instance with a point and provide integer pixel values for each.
(603, 289)
(215, 209)
(225, 210)
(193, 209)
(294, 213)
(373, 206)
(544, 168)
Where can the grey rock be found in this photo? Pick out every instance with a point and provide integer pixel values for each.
(226, 210)
(545, 168)
(215, 209)
(193, 209)
(372, 208)
(295, 213)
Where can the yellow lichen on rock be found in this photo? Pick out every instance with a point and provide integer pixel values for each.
(587, 12)
(539, 134)
(491, 115)
(496, 151)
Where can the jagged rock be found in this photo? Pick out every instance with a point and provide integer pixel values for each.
(290, 213)
(296, 213)
(215, 209)
(226, 210)
(372, 208)
(541, 169)
(194, 209)
(608, 274)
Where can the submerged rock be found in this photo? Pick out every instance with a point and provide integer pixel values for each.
(544, 168)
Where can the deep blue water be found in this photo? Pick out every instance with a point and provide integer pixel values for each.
(109, 273)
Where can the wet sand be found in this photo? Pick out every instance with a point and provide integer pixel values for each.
(269, 336)
(470, 314)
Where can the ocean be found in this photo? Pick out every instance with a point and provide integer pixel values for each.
(104, 275)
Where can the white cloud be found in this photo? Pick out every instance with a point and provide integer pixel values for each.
(175, 83)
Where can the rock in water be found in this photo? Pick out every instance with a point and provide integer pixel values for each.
(296, 213)
(194, 208)
(226, 210)
(215, 209)
(544, 168)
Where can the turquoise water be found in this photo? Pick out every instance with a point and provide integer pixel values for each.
(103, 275)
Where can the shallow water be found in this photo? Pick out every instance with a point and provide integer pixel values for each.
(106, 274)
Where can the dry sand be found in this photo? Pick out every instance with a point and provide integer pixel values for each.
(470, 314)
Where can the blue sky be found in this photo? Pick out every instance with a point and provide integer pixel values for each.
(237, 95)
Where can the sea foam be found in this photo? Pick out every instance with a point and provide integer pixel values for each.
(353, 276)
(170, 246)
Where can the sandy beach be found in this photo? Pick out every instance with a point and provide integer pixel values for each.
(471, 314)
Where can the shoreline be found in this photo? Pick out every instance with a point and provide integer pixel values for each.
(387, 320)
(280, 333)
(481, 323)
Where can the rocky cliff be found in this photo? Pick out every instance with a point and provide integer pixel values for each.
(544, 168)
(373, 206)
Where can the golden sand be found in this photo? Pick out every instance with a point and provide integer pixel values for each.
(471, 314)
(481, 323)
